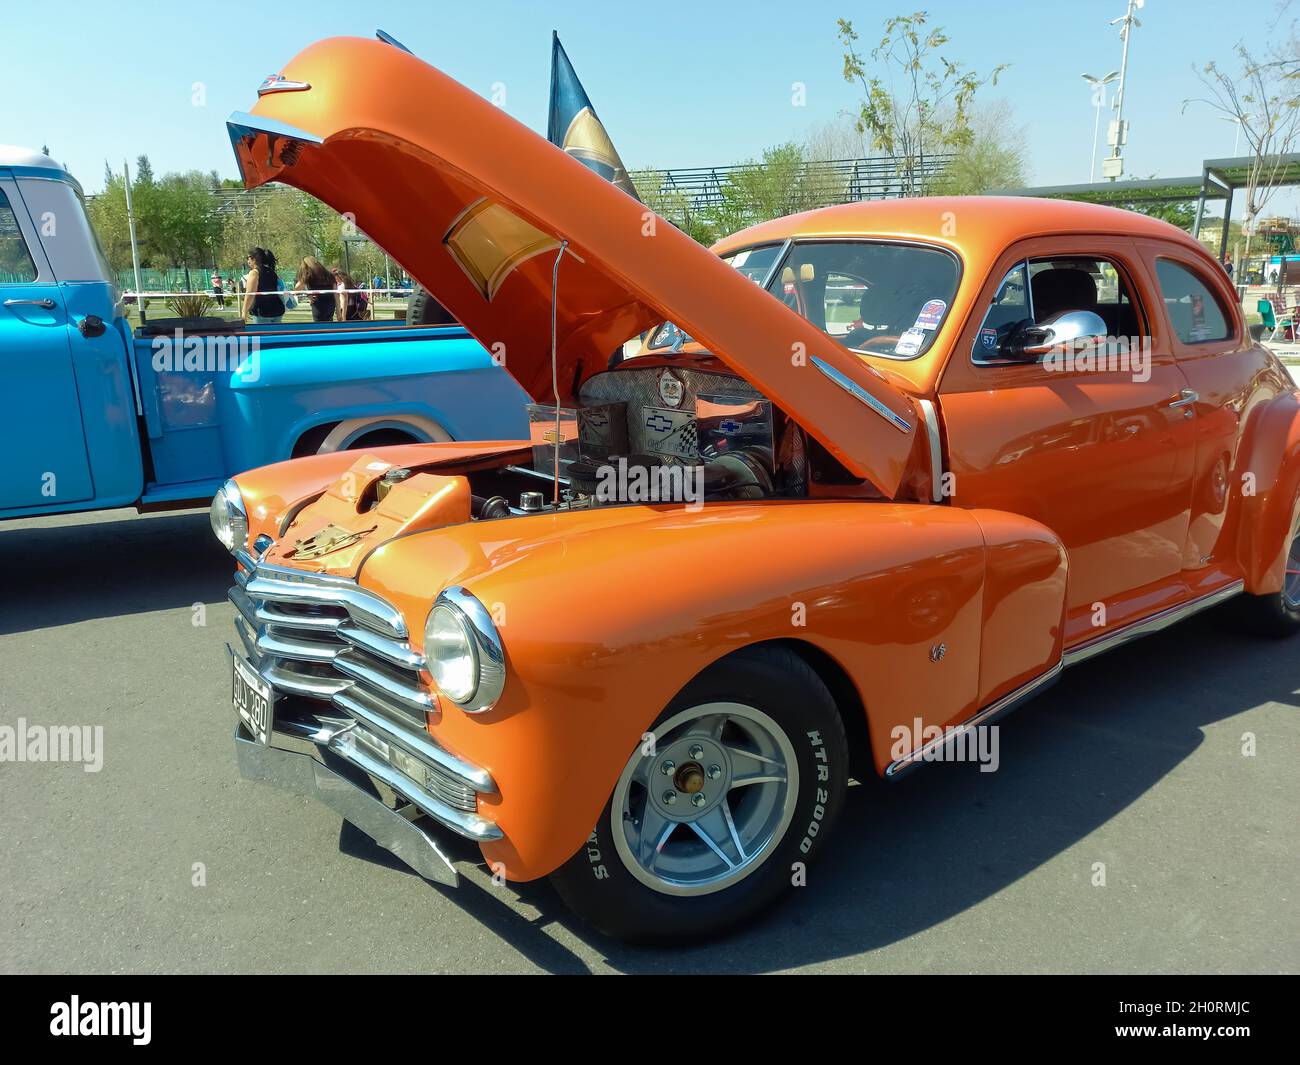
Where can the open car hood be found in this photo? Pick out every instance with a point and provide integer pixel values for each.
(474, 205)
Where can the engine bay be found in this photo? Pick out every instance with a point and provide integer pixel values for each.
(653, 434)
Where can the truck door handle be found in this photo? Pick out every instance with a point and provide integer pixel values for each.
(45, 304)
(1187, 398)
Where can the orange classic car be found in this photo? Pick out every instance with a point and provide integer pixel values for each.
(879, 473)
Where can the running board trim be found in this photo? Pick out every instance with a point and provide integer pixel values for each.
(1154, 623)
(1012, 700)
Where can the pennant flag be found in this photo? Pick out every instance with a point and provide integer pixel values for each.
(573, 124)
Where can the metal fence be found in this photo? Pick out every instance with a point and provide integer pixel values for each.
(813, 184)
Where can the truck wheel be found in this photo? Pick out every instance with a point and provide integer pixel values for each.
(423, 309)
(1278, 613)
(721, 815)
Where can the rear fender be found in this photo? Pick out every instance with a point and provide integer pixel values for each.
(1269, 491)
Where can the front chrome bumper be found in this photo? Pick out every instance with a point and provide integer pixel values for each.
(305, 776)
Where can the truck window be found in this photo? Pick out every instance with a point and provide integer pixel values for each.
(16, 266)
(1193, 309)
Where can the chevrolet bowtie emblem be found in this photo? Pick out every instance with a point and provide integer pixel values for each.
(330, 538)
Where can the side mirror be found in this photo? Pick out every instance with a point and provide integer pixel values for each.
(91, 326)
(1069, 328)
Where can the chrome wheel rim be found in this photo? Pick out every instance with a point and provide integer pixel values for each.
(1291, 583)
(709, 803)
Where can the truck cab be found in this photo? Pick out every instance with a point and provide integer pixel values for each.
(97, 415)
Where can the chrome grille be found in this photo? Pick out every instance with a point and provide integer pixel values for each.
(326, 638)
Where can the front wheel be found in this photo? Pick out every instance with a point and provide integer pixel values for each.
(720, 813)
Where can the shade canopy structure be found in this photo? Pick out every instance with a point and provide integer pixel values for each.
(1218, 180)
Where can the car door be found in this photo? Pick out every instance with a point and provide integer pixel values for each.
(1227, 374)
(44, 461)
(1100, 454)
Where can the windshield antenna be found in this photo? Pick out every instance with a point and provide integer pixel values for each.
(555, 372)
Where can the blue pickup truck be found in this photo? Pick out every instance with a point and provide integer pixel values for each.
(97, 415)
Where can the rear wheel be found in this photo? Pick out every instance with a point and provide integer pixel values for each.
(715, 819)
(1278, 613)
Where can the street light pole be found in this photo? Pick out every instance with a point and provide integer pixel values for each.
(1098, 101)
(1113, 167)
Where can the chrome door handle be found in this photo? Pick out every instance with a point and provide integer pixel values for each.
(45, 304)
(1187, 398)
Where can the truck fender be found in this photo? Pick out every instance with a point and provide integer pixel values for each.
(423, 430)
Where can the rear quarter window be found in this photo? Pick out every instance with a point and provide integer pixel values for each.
(1194, 310)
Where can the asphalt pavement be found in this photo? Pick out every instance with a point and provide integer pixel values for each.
(1132, 768)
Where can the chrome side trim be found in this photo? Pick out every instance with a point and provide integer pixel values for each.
(1004, 705)
(303, 775)
(931, 419)
(858, 392)
(1146, 626)
(1136, 630)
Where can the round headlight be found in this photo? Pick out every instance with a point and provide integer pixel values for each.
(464, 652)
(228, 518)
(449, 649)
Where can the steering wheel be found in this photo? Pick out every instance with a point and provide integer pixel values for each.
(869, 340)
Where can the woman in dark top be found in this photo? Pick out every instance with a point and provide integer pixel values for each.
(313, 277)
(262, 302)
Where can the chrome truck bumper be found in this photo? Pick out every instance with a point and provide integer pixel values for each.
(302, 775)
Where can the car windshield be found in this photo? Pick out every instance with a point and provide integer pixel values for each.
(874, 297)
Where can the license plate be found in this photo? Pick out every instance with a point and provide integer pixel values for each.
(253, 699)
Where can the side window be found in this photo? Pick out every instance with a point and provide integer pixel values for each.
(16, 266)
(1010, 308)
(1034, 293)
(1193, 309)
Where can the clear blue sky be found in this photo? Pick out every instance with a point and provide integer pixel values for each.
(676, 83)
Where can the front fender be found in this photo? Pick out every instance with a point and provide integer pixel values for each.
(606, 615)
(1269, 493)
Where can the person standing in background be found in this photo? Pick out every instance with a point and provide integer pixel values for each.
(262, 301)
(316, 280)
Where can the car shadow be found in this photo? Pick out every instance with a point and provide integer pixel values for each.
(104, 566)
(907, 856)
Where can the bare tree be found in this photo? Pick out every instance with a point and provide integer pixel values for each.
(1263, 98)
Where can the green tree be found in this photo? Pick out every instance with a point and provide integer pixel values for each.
(107, 212)
(916, 102)
(181, 223)
(673, 204)
(758, 191)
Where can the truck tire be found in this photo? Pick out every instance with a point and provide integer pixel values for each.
(423, 309)
(759, 738)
